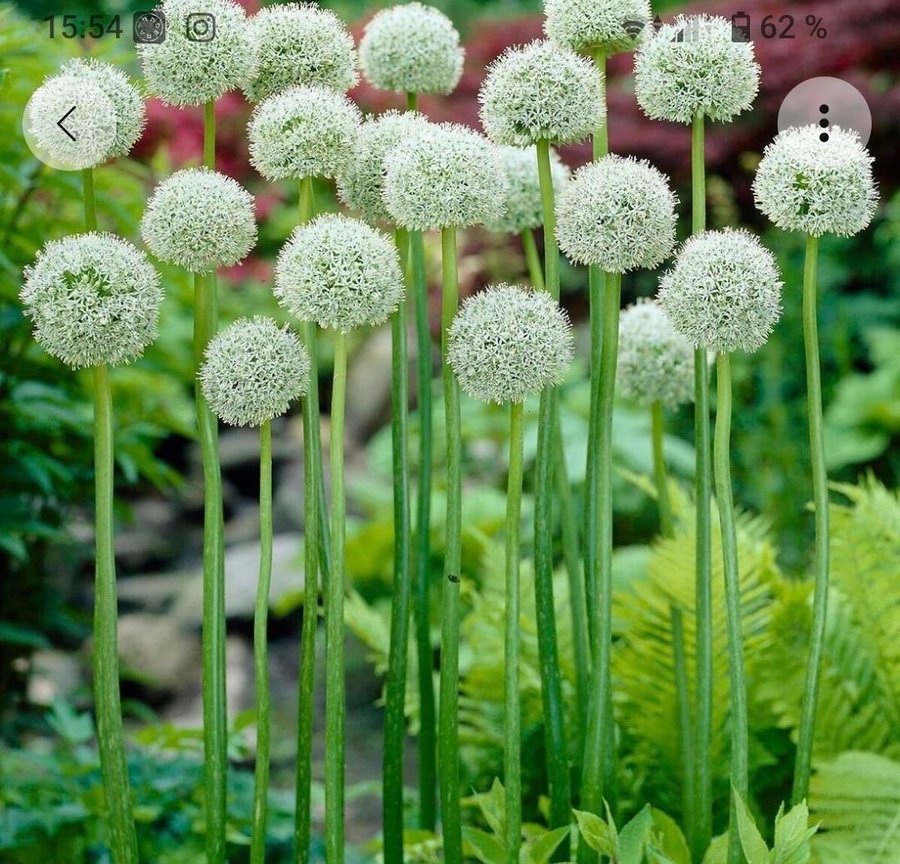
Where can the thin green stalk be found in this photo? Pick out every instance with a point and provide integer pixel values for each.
(820, 493)
(110, 732)
(395, 687)
(209, 135)
(261, 649)
(533, 260)
(448, 722)
(685, 729)
(660, 475)
(412, 101)
(335, 706)
(512, 751)
(90, 202)
(737, 686)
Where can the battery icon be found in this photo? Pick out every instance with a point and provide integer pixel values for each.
(740, 27)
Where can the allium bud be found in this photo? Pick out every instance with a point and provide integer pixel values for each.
(705, 73)
(94, 299)
(588, 26)
(446, 175)
(508, 343)
(340, 273)
(617, 213)
(412, 49)
(724, 291)
(300, 43)
(253, 370)
(541, 91)
(199, 220)
(303, 132)
(207, 51)
(361, 185)
(814, 186)
(656, 363)
(522, 207)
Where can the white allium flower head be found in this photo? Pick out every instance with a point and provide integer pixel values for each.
(541, 91)
(656, 363)
(723, 292)
(445, 175)
(522, 209)
(199, 219)
(617, 213)
(340, 273)
(706, 73)
(588, 26)
(253, 370)
(814, 186)
(304, 131)
(300, 43)
(411, 48)
(186, 70)
(508, 343)
(94, 299)
(361, 185)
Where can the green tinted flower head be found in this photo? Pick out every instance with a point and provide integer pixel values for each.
(588, 26)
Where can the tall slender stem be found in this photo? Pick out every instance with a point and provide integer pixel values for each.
(533, 260)
(90, 202)
(209, 135)
(820, 493)
(660, 475)
(261, 649)
(448, 723)
(737, 683)
(685, 730)
(512, 752)
(110, 732)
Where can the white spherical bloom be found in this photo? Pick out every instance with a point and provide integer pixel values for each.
(705, 73)
(814, 186)
(617, 213)
(522, 208)
(300, 43)
(304, 131)
(199, 220)
(508, 343)
(411, 49)
(340, 273)
(724, 291)
(94, 299)
(588, 26)
(656, 363)
(541, 91)
(253, 370)
(361, 185)
(446, 175)
(207, 51)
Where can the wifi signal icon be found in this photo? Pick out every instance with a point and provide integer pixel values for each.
(633, 26)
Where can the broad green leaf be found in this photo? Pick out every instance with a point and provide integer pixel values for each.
(493, 807)
(755, 849)
(718, 850)
(485, 848)
(543, 849)
(669, 838)
(792, 835)
(634, 836)
(597, 833)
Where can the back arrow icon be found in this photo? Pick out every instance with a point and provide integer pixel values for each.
(65, 116)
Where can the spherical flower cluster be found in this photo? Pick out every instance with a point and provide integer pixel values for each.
(362, 183)
(94, 299)
(705, 73)
(446, 175)
(508, 343)
(207, 51)
(300, 43)
(541, 91)
(522, 208)
(656, 363)
(253, 370)
(304, 131)
(818, 187)
(724, 291)
(340, 273)
(412, 49)
(588, 26)
(199, 220)
(617, 213)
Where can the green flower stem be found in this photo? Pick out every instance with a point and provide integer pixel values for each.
(90, 202)
(820, 491)
(512, 752)
(335, 706)
(685, 729)
(448, 722)
(660, 475)
(702, 834)
(209, 135)
(737, 685)
(533, 260)
(110, 732)
(261, 648)
(556, 742)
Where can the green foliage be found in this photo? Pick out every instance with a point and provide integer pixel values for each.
(792, 835)
(651, 836)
